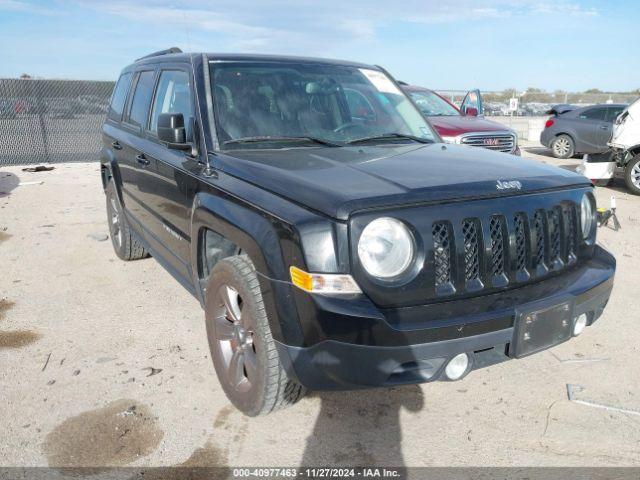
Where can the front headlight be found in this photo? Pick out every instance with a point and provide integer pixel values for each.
(447, 139)
(386, 248)
(587, 216)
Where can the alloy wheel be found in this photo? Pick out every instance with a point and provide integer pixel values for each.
(116, 227)
(234, 334)
(635, 175)
(561, 147)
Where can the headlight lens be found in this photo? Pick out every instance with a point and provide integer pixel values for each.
(587, 216)
(447, 139)
(386, 248)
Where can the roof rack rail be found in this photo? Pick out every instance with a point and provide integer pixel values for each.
(161, 52)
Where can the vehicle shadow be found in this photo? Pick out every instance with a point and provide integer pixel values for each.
(8, 181)
(361, 428)
(538, 151)
(617, 184)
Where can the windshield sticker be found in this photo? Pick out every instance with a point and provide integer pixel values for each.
(380, 81)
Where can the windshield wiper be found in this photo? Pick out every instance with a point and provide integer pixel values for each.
(267, 138)
(390, 136)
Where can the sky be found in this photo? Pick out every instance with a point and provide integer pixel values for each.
(570, 45)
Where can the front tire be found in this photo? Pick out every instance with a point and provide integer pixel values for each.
(563, 146)
(242, 346)
(125, 243)
(632, 175)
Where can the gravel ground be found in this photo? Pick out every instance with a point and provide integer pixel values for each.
(106, 363)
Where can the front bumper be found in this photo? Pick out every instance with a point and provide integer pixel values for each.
(414, 346)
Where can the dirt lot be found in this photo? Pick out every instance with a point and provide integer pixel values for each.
(106, 363)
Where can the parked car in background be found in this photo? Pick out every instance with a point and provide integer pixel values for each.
(576, 131)
(625, 143)
(467, 125)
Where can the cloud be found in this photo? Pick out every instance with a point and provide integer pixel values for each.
(573, 9)
(24, 7)
(306, 27)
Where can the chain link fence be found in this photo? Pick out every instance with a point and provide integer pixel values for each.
(49, 121)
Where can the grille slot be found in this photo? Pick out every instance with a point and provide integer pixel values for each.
(555, 249)
(496, 228)
(441, 232)
(500, 142)
(541, 239)
(570, 226)
(471, 249)
(520, 234)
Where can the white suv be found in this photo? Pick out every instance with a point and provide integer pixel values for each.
(625, 143)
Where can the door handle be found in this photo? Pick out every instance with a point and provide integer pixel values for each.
(142, 160)
(604, 127)
(116, 145)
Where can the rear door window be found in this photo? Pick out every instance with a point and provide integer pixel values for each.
(594, 114)
(119, 97)
(173, 95)
(139, 108)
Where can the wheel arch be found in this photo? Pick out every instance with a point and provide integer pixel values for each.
(253, 233)
(109, 170)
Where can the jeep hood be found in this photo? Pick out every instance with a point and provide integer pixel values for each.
(339, 181)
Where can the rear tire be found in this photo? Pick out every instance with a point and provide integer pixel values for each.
(563, 146)
(125, 242)
(242, 346)
(632, 175)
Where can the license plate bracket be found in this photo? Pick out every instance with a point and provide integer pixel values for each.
(539, 327)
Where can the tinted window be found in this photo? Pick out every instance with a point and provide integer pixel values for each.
(172, 96)
(594, 114)
(331, 103)
(119, 96)
(141, 99)
(613, 113)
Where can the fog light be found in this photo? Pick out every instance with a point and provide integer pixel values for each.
(457, 366)
(580, 324)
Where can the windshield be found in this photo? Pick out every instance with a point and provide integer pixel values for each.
(278, 105)
(432, 105)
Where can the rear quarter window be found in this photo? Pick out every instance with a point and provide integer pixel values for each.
(141, 101)
(119, 97)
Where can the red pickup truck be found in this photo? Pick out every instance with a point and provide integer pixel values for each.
(467, 125)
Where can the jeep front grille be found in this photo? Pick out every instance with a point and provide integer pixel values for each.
(499, 141)
(530, 245)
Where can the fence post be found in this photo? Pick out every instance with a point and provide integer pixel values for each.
(40, 111)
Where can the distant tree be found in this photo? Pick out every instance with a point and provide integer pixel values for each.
(25, 76)
(593, 90)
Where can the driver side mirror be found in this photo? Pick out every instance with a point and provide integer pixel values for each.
(470, 111)
(172, 132)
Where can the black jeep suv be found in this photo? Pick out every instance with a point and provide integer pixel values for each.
(333, 241)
